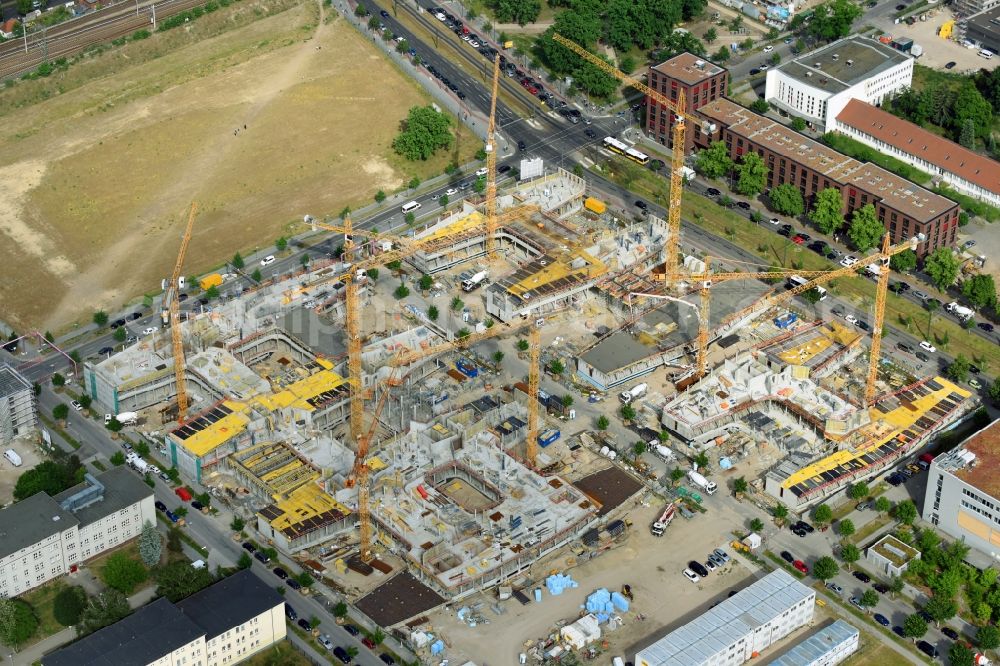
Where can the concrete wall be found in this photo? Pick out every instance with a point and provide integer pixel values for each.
(962, 511)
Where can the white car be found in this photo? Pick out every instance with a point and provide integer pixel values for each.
(926, 346)
(691, 576)
(77, 406)
(851, 319)
(451, 191)
(775, 221)
(441, 17)
(974, 383)
(710, 565)
(267, 261)
(473, 43)
(481, 172)
(768, 48)
(849, 260)
(149, 330)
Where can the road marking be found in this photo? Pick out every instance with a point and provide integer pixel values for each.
(587, 162)
(534, 123)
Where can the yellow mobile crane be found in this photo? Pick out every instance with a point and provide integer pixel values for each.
(677, 107)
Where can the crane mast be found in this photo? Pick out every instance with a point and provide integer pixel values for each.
(491, 167)
(534, 354)
(173, 316)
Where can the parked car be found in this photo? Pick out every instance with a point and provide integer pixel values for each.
(928, 347)
(76, 405)
(856, 602)
(881, 588)
(927, 649)
(160, 506)
(691, 576)
(368, 643)
(743, 204)
(881, 619)
(922, 356)
(267, 261)
(196, 505)
(325, 641)
(387, 659)
(836, 589)
(898, 630)
(950, 633)
(341, 654)
(249, 547)
(975, 383)
(801, 566)
(351, 629)
(280, 573)
(712, 192)
(862, 576)
(294, 584)
(290, 613)
(698, 568)
(786, 556)
(721, 554)
(262, 557)
(985, 326)
(304, 624)
(849, 260)
(803, 525)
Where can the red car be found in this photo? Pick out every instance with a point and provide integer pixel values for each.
(801, 566)
(798, 240)
(368, 643)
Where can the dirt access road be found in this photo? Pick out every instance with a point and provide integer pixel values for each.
(287, 115)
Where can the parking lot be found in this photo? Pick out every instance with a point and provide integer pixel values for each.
(937, 52)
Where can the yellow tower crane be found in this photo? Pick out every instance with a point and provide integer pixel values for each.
(172, 316)
(534, 371)
(677, 107)
(352, 328)
(491, 167)
(880, 295)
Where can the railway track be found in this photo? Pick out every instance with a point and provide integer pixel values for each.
(74, 37)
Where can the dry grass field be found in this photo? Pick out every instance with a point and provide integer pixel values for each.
(98, 177)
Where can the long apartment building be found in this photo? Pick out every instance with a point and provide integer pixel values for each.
(18, 409)
(905, 208)
(737, 629)
(223, 624)
(44, 537)
(965, 170)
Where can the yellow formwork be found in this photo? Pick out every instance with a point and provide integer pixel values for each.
(473, 220)
(298, 394)
(302, 505)
(899, 419)
(559, 269)
(218, 433)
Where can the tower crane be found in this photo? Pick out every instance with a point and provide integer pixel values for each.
(880, 295)
(491, 167)
(172, 316)
(352, 328)
(681, 116)
(534, 370)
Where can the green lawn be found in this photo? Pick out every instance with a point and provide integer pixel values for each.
(280, 654)
(870, 528)
(41, 600)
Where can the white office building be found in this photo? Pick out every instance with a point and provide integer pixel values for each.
(223, 624)
(816, 86)
(738, 628)
(963, 491)
(44, 537)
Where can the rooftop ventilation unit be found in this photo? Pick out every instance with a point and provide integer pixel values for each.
(836, 56)
(808, 74)
(699, 63)
(819, 65)
(850, 63)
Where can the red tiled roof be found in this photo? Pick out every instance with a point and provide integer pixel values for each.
(915, 140)
(8, 25)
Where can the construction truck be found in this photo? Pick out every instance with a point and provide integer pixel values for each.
(661, 523)
(137, 463)
(697, 479)
(960, 311)
(209, 281)
(750, 543)
(633, 393)
(473, 282)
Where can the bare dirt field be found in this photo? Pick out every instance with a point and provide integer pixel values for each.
(97, 180)
(30, 457)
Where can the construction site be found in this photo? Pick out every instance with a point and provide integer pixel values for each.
(419, 453)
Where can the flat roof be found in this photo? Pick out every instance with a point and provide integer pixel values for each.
(895, 550)
(212, 427)
(842, 64)
(611, 487)
(915, 140)
(813, 649)
(908, 198)
(398, 599)
(11, 381)
(122, 489)
(303, 510)
(229, 603)
(722, 626)
(983, 472)
(985, 22)
(618, 350)
(31, 520)
(688, 68)
(144, 637)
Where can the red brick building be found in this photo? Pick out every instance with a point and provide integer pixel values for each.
(701, 82)
(905, 208)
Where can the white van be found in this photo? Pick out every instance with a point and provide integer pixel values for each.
(11, 455)
(986, 53)
(410, 206)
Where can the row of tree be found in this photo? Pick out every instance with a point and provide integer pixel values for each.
(961, 110)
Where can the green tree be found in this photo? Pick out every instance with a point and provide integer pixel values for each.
(120, 334)
(603, 422)
(594, 81)
(174, 544)
(150, 545)
(567, 400)
(256, 275)
(374, 23)
(752, 175)
(906, 512)
(17, 622)
(940, 608)
(710, 35)
(787, 200)
(401, 292)
(628, 412)
(58, 380)
(969, 105)
(895, 585)
(102, 610)
(245, 561)
(826, 212)
(823, 514)
(833, 20)
(237, 261)
(869, 599)
(457, 304)
(68, 605)
(432, 313)
(179, 580)
(942, 267)
(50, 477)
(638, 448)
(556, 367)
(409, 218)
(425, 130)
(443, 200)
(123, 573)
(117, 459)
(701, 460)
(760, 105)
(372, 274)
(859, 490)
(825, 569)
(960, 655)
(498, 357)
(757, 525)
(914, 627)
(798, 124)
(523, 345)
(237, 524)
(49, 337)
(883, 505)
(967, 137)
(521, 12)
(281, 243)
(903, 262)
(114, 425)
(958, 371)
(714, 161)
(988, 637)
(845, 527)
(60, 411)
(994, 391)
(740, 485)
(780, 513)
(380, 195)
(981, 291)
(865, 231)
(850, 554)
(101, 318)
(414, 183)
(676, 474)
(426, 282)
